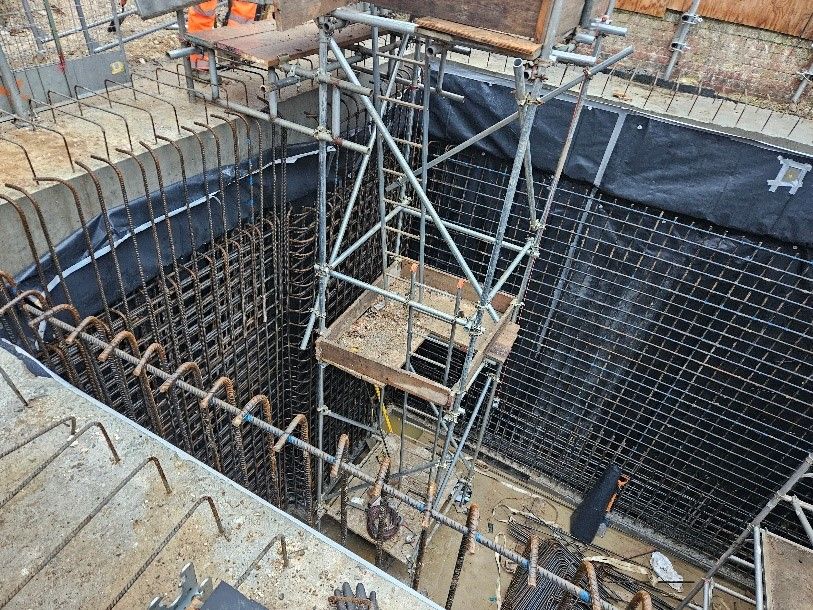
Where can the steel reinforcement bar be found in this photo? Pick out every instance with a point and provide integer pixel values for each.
(307, 448)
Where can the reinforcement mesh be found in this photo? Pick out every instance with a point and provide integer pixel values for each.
(679, 350)
(237, 307)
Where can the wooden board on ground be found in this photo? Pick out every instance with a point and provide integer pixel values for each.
(261, 43)
(788, 573)
(368, 340)
(403, 545)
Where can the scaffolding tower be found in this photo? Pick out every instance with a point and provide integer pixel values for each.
(467, 313)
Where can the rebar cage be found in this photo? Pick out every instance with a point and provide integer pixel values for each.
(675, 348)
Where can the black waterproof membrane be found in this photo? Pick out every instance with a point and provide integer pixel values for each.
(668, 323)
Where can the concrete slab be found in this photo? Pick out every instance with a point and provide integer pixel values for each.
(788, 573)
(94, 565)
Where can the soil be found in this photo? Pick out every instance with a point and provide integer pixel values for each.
(381, 332)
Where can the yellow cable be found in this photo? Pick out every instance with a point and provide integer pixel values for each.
(384, 411)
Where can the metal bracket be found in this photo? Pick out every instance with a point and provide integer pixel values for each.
(191, 590)
(791, 175)
(321, 271)
(691, 19)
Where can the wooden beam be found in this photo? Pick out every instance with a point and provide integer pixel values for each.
(499, 41)
(382, 375)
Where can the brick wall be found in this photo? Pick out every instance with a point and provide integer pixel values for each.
(735, 61)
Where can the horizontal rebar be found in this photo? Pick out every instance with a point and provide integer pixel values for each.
(320, 454)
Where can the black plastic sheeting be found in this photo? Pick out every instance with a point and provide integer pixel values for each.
(649, 337)
(655, 165)
(671, 166)
(78, 269)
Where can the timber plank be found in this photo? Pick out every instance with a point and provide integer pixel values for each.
(382, 375)
(507, 43)
(517, 18)
(261, 43)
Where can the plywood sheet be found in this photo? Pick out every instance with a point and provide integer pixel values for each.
(291, 13)
(788, 574)
(518, 18)
(793, 17)
(261, 43)
(656, 8)
(525, 19)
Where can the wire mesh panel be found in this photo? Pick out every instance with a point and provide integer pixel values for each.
(679, 350)
(58, 44)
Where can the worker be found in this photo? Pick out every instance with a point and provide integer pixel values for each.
(202, 17)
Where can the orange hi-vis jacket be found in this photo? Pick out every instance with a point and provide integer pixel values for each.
(202, 17)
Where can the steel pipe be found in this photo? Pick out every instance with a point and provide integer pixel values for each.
(404, 164)
(320, 454)
(8, 80)
(758, 582)
(679, 46)
(513, 117)
(385, 23)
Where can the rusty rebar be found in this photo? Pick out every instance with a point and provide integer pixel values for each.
(585, 569)
(466, 543)
(70, 420)
(247, 415)
(75, 531)
(300, 421)
(283, 550)
(349, 468)
(71, 440)
(640, 601)
(342, 448)
(533, 558)
(167, 539)
(426, 522)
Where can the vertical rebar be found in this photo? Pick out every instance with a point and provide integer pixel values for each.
(466, 546)
(425, 523)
